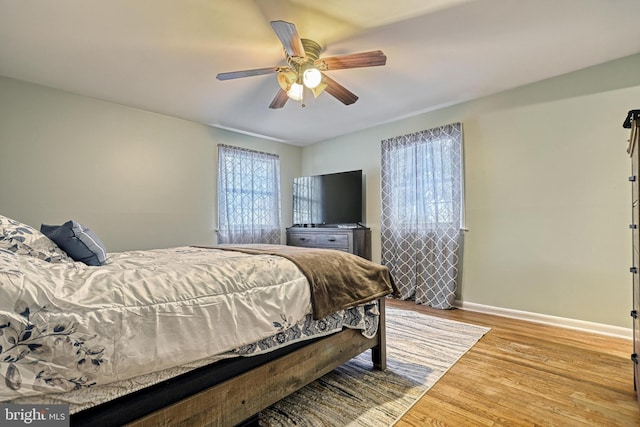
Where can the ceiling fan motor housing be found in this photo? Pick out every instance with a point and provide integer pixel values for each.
(311, 51)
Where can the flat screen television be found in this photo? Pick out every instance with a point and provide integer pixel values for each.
(330, 199)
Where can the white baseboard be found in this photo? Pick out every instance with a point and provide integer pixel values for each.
(563, 322)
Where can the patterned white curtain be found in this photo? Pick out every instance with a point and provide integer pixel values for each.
(422, 213)
(248, 196)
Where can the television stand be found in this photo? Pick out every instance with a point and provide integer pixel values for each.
(353, 240)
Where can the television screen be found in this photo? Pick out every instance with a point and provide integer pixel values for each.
(328, 199)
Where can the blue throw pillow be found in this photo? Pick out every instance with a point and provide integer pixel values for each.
(78, 241)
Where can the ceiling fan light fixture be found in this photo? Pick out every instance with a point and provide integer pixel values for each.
(295, 92)
(319, 89)
(286, 79)
(289, 82)
(311, 77)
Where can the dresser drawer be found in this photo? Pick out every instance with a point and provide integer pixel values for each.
(319, 240)
(356, 241)
(301, 239)
(340, 241)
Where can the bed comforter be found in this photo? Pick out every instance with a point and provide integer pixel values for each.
(67, 326)
(338, 280)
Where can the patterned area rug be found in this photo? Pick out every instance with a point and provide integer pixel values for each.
(420, 350)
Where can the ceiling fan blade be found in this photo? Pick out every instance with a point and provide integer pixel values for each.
(279, 100)
(338, 91)
(248, 73)
(354, 60)
(289, 38)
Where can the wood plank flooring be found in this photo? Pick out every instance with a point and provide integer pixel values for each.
(528, 374)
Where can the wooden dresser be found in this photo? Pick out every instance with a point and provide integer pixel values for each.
(353, 240)
(633, 123)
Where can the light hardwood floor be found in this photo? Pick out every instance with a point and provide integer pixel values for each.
(528, 374)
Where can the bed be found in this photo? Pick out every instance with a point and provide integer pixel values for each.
(177, 336)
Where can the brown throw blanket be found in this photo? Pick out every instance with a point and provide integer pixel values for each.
(338, 279)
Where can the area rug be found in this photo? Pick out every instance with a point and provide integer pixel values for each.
(420, 350)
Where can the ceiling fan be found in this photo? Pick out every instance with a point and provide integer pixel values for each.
(306, 68)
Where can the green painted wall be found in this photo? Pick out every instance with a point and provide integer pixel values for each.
(547, 196)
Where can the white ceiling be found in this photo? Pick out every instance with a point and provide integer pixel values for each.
(163, 55)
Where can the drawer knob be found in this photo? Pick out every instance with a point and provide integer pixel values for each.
(332, 240)
(303, 238)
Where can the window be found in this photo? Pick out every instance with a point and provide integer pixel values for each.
(307, 203)
(422, 213)
(248, 196)
(424, 182)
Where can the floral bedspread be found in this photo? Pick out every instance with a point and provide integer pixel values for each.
(67, 326)
(363, 317)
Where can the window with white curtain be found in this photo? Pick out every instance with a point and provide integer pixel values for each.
(422, 212)
(248, 196)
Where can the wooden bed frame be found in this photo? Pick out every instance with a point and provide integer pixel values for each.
(238, 399)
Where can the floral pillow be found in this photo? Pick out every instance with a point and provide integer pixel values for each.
(25, 240)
